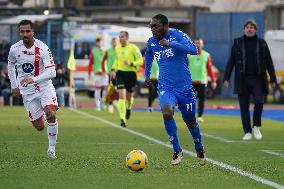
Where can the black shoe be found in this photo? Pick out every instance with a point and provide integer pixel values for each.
(202, 157)
(128, 114)
(122, 123)
(177, 156)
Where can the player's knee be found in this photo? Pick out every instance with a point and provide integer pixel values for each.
(167, 115)
(39, 123)
(191, 124)
(50, 116)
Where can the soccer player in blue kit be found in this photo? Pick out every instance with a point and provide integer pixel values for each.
(170, 48)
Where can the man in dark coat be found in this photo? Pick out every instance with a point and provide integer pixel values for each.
(251, 58)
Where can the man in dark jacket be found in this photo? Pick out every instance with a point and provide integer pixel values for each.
(251, 58)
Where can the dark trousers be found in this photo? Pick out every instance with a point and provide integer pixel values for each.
(252, 86)
(199, 90)
(153, 92)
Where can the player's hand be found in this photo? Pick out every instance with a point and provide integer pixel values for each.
(226, 84)
(112, 75)
(147, 82)
(16, 92)
(26, 81)
(213, 85)
(164, 42)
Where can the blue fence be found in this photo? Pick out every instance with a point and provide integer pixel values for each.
(219, 30)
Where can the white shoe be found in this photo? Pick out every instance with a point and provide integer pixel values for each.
(110, 109)
(256, 133)
(200, 119)
(248, 136)
(51, 152)
(177, 156)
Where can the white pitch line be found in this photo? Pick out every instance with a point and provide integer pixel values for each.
(273, 153)
(214, 162)
(217, 138)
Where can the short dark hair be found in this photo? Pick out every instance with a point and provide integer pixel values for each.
(98, 39)
(126, 33)
(26, 22)
(250, 21)
(163, 19)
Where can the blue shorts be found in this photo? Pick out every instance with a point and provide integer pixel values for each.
(186, 102)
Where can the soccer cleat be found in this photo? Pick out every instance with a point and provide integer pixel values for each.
(122, 123)
(177, 156)
(248, 136)
(150, 109)
(128, 114)
(51, 152)
(201, 154)
(110, 109)
(256, 133)
(200, 119)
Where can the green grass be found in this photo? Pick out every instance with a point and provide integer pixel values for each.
(91, 154)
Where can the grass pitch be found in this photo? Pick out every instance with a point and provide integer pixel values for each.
(91, 154)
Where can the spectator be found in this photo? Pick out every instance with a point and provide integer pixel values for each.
(60, 83)
(4, 52)
(5, 86)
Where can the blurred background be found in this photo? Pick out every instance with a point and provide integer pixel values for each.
(73, 26)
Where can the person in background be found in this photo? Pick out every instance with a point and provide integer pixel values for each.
(5, 86)
(250, 56)
(4, 52)
(128, 59)
(153, 86)
(109, 56)
(200, 67)
(60, 83)
(100, 75)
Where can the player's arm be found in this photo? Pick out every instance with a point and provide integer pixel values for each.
(91, 62)
(138, 59)
(149, 57)
(11, 70)
(12, 74)
(103, 63)
(211, 73)
(183, 44)
(49, 71)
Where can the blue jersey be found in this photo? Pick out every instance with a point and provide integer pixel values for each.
(172, 60)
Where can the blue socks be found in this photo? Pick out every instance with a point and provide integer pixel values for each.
(171, 129)
(195, 133)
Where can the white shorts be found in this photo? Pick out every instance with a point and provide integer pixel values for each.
(35, 103)
(101, 80)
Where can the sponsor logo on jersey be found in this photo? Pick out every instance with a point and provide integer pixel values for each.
(28, 67)
(164, 54)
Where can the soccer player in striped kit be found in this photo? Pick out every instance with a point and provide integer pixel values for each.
(31, 68)
(170, 48)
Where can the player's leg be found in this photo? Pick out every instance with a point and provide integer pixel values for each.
(167, 102)
(120, 84)
(201, 102)
(34, 110)
(187, 106)
(129, 86)
(50, 106)
(52, 129)
(97, 80)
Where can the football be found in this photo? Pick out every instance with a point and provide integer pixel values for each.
(136, 160)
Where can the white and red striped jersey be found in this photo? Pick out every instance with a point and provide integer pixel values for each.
(31, 62)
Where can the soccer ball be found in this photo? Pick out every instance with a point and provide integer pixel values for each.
(136, 160)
